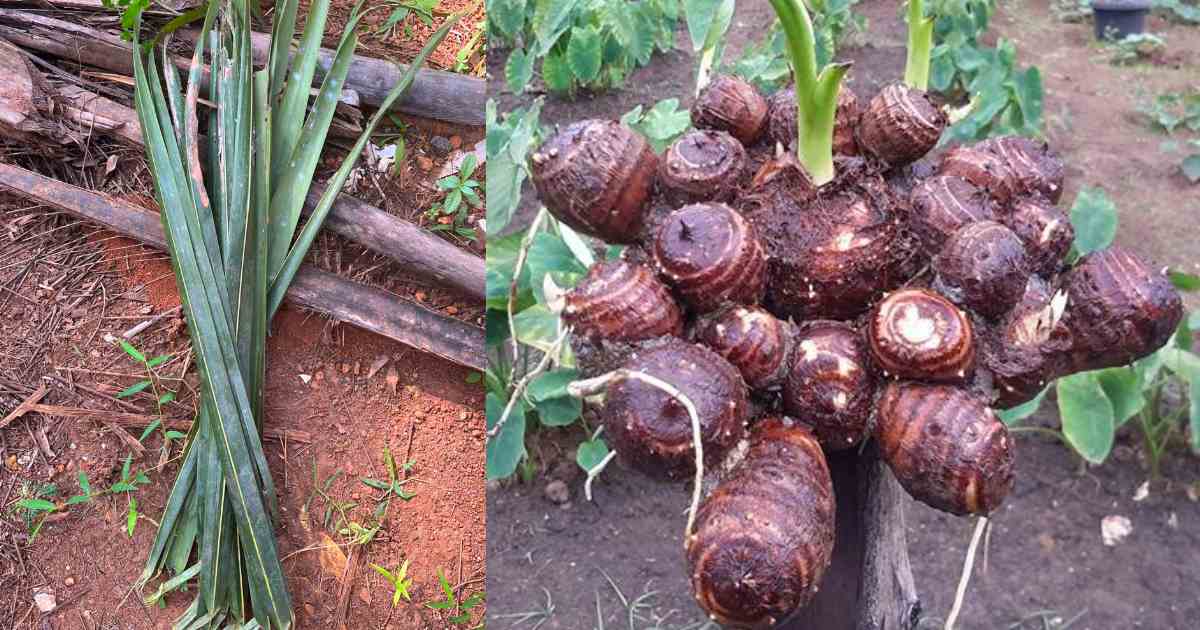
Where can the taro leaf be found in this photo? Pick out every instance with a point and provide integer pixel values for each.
(506, 448)
(536, 326)
(591, 453)
(556, 74)
(1191, 168)
(554, 405)
(700, 15)
(584, 53)
(519, 70)
(941, 69)
(550, 21)
(501, 259)
(577, 245)
(1123, 387)
(508, 142)
(662, 124)
(1027, 89)
(1015, 415)
(1094, 217)
(632, 34)
(507, 16)
(1087, 416)
(1186, 366)
(548, 254)
(1184, 281)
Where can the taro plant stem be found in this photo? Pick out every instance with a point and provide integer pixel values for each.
(816, 94)
(920, 46)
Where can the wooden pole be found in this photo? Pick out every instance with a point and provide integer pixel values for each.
(869, 585)
(434, 94)
(369, 308)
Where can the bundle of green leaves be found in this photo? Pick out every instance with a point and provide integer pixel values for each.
(230, 226)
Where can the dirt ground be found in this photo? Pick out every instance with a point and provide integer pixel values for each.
(616, 562)
(343, 394)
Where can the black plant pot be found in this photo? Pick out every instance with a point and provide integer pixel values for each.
(1118, 19)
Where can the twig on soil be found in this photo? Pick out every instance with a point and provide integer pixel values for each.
(519, 390)
(138, 329)
(522, 254)
(968, 563)
(587, 387)
(26, 406)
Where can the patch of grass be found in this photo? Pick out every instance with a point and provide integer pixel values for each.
(451, 603)
(536, 616)
(399, 581)
(451, 213)
(38, 502)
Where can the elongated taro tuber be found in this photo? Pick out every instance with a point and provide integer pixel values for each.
(711, 255)
(1029, 347)
(781, 119)
(1046, 232)
(983, 169)
(652, 429)
(754, 341)
(702, 166)
(1037, 169)
(731, 104)
(900, 125)
(764, 537)
(830, 384)
(943, 204)
(622, 301)
(983, 268)
(945, 446)
(1118, 309)
(596, 176)
(918, 334)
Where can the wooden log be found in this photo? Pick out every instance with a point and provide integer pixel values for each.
(369, 308)
(869, 585)
(420, 252)
(434, 94)
(22, 96)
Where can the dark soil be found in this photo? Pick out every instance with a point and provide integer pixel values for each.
(1044, 559)
(64, 286)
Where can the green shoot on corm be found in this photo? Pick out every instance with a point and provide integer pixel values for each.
(816, 94)
(920, 46)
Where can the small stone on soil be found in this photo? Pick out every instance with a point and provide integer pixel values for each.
(557, 492)
(377, 365)
(45, 602)
(441, 145)
(424, 163)
(1114, 528)
(70, 581)
(393, 379)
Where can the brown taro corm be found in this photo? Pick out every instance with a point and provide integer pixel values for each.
(830, 383)
(1119, 309)
(900, 125)
(942, 204)
(1046, 231)
(1037, 169)
(753, 340)
(653, 431)
(945, 446)
(781, 120)
(702, 166)
(833, 257)
(596, 176)
(764, 536)
(622, 301)
(919, 334)
(1028, 348)
(731, 104)
(982, 267)
(711, 255)
(983, 169)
